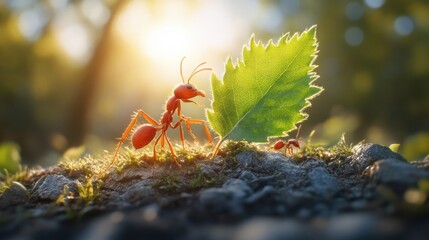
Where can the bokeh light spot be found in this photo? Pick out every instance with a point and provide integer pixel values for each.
(75, 41)
(415, 196)
(19, 4)
(404, 25)
(95, 11)
(58, 4)
(354, 36)
(354, 11)
(272, 19)
(374, 3)
(32, 21)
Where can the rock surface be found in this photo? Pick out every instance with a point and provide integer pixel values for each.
(256, 195)
(368, 153)
(14, 196)
(50, 187)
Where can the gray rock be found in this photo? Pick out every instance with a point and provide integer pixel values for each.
(280, 166)
(17, 194)
(396, 173)
(247, 176)
(140, 192)
(229, 198)
(50, 187)
(237, 187)
(290, 172)
(365, 155)
(257, 196)
(248, 159)
(422, 163)
(298, 198)
(208, 171)
(272, 161)
(323, 183)
(313, 163)
(260, 182)
(118, 181)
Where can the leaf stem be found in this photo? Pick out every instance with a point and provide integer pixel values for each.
(216, 150)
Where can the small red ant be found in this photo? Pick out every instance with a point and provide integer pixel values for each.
(147, 132)
(289, 144)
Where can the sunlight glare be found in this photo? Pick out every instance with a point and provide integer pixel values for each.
(161, 34)
(166, 42)
(163, 39)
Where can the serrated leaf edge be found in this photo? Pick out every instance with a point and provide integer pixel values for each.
(284, 38)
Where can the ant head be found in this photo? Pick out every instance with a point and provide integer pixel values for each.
(293, 142)
(187, 90)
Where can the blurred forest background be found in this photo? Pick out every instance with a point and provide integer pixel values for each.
(73, 71)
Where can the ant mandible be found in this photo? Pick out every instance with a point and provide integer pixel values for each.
(289, 144)
(147, 132)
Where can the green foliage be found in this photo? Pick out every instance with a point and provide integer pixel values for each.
(88, 191)
(337, 153)
(413, 202)
(77, 206)
(416, 146)
(9, 157)
(7, 180)
(265, 93)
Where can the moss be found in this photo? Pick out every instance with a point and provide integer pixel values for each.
(199, 180)
(189, 180)
(232, 148)
(338, 153)
(169, 182)
(19, 177)
(76, 206)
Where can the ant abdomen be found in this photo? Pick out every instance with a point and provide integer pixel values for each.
(143, 136)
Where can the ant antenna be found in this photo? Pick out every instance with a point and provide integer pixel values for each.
(297, 133)
(202, 69)
(181, 71)
(195, 71)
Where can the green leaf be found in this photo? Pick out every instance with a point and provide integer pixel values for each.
(265, 93)
(10, 159)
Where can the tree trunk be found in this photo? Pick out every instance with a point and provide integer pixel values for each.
(78, 121)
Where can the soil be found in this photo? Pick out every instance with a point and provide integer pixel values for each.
(370, 193)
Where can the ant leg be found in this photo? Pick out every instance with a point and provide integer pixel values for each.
(125, 135)
(172, 151)
(147, 117)
(154, 146)
(179, 124)
(188, 127)
(290, 149)
(162, 143)
(154, 152)
(181, 135)
(202, 122)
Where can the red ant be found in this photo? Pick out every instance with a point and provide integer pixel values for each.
(289, 144)
(147, 132)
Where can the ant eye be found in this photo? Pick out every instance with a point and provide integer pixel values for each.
(189, 87)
